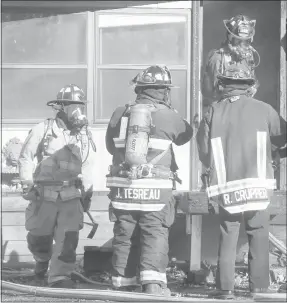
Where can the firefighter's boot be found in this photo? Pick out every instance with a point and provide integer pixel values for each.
(156, 289)
(67, 283)
(41, 269)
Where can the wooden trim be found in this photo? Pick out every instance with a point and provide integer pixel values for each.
(195, 108)
(21, 123)
(43, 66)
(283, 86)
(96, 62)
(147, 11)
(196, 98)
(82, 5)
(91, 51)
(138, 66)
(189, 68)
(195, 243)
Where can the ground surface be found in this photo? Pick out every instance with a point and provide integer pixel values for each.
(181, 286)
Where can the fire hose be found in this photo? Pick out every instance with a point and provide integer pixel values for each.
(116, 296)
(18, 274)
(92, 294)
(88, 294)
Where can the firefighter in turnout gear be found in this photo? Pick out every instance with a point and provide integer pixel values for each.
(60, 187)
(235, 145)
(235, 51)
(140, 137)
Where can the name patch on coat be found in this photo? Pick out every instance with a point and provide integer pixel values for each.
(244, 195)
(138, 193)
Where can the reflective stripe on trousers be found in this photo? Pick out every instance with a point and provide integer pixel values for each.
(151, 275)
(122, 281)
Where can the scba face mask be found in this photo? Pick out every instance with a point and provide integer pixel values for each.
(76, 115)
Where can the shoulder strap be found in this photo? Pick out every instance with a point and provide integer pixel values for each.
(47, 130)
(157, 158)
(48, 126)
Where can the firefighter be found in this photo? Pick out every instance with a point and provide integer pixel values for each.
(61, 186)
(143, 170)
(234, 143)
(236, 49)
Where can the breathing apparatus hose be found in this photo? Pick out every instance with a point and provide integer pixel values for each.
(256, 52)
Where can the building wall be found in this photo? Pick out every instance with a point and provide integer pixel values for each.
(101, 52)
(30, 85)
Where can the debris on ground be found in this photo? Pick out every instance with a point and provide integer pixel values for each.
(181, 282)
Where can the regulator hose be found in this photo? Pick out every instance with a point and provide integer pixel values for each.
(92, 294)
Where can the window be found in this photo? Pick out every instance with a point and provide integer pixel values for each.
(39, 57)
(31, 89)
(115, 90)
(143, 39)
(100, 52)
(130, 42)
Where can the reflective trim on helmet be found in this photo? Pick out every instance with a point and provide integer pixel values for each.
(69, 94)
(138, 183)
(137, 206)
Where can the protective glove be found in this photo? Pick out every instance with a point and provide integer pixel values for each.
(30, 192)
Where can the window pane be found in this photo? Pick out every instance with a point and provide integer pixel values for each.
(30, 90)
(57, 39)
(114, 90)
(143, 39)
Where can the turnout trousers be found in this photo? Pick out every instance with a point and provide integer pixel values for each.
(257, 229)
(140, 245)
(59, 221)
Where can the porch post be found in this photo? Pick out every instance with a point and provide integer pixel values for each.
(283, 79)
(195, 108)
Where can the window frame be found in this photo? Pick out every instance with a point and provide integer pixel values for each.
(87, 66)
(93, 66)
(139, 11)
